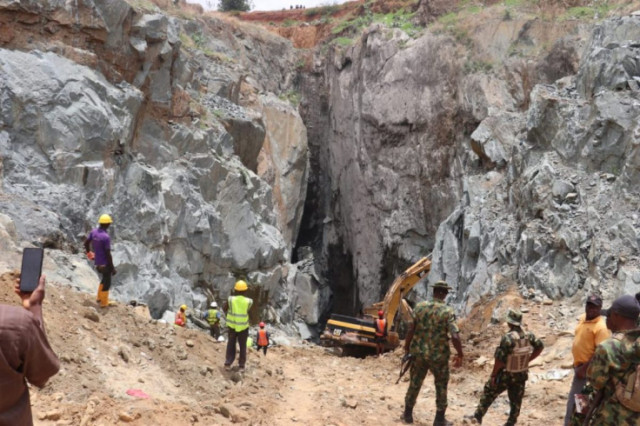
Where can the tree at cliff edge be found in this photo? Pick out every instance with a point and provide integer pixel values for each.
(240, 5)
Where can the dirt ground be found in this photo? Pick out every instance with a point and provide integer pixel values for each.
(105, 353)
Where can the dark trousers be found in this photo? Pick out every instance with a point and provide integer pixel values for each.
(106, 272)
(241, 337)
(576, 387)
(264, 348)
(214, 330)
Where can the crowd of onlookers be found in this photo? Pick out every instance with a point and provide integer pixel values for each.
(297, 6)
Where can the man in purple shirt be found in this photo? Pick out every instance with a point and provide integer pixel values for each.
(101, 255)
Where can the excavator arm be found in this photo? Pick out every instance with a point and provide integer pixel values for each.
(400, 287)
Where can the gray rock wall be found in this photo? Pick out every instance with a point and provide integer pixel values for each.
(560, 218)
(508, 176)
(144, 117)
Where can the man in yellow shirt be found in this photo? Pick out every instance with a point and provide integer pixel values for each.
(590, 332)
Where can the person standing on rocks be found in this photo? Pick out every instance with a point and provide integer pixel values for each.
(212, 316)
(510, 370)
(237, 309)
(262, 339)
(427, 343)
(25, 355)
(615, 361)
(101, 255)
(590, 332)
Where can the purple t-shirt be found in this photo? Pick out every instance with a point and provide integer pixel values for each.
(101, 243)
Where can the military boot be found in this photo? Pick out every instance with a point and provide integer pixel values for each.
(407, 416)
(440, 420)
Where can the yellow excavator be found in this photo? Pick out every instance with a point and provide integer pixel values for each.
(347, 331)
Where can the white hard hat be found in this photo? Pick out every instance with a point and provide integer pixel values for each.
(214, 305)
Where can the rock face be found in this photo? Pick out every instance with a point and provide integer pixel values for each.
(561, 216)
(143, 117)
(524, 176)
(510, 171)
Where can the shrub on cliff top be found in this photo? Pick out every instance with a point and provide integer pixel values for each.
(239, 5)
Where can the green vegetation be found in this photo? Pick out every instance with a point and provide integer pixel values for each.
(512, 3)
(198, 39)
(329, 9)
(235, 5)
(449, 18)
(313, 12)
(292, 97)
(586, 12)
(187, 41)
(474, 66)
(402, 19)
(143, 5)
(473, 9)
(343, 41)
(290, 23)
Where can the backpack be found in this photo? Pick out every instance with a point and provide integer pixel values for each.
(628, 390)
(518, 360)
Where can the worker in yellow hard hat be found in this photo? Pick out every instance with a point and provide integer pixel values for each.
(237, 309)
(181, 316)
(99, 240)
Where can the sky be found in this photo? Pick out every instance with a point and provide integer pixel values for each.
(277, 4)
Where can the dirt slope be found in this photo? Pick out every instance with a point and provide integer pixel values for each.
(181, 371)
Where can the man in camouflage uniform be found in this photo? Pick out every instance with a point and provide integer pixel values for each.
(613, 361)
(501, 380)
(428, 344)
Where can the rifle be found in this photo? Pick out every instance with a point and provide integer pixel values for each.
(593, 406)
(406, 363)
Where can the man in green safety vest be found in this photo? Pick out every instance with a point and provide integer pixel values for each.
(213, 318)
(238, 325)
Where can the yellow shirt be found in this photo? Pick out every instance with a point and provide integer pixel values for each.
(589, 334)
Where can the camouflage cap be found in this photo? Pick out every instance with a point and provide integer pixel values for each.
(442, 285)
(514, 317)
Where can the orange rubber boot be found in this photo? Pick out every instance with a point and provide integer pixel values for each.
(99, 293)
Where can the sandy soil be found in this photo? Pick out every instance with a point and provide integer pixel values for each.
(105, 353)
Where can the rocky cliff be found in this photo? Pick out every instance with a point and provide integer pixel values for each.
(506, 147)
(502, 143)
(170, 122)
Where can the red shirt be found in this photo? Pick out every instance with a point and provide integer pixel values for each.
(25, 354)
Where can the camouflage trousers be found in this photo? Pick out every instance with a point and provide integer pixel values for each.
(419, 370)
(514, 384)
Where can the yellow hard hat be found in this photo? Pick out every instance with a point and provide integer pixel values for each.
(183, 307)
(240, 286)
(105, 219)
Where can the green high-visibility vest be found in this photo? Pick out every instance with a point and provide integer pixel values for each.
(238, 315)
(212, 316)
